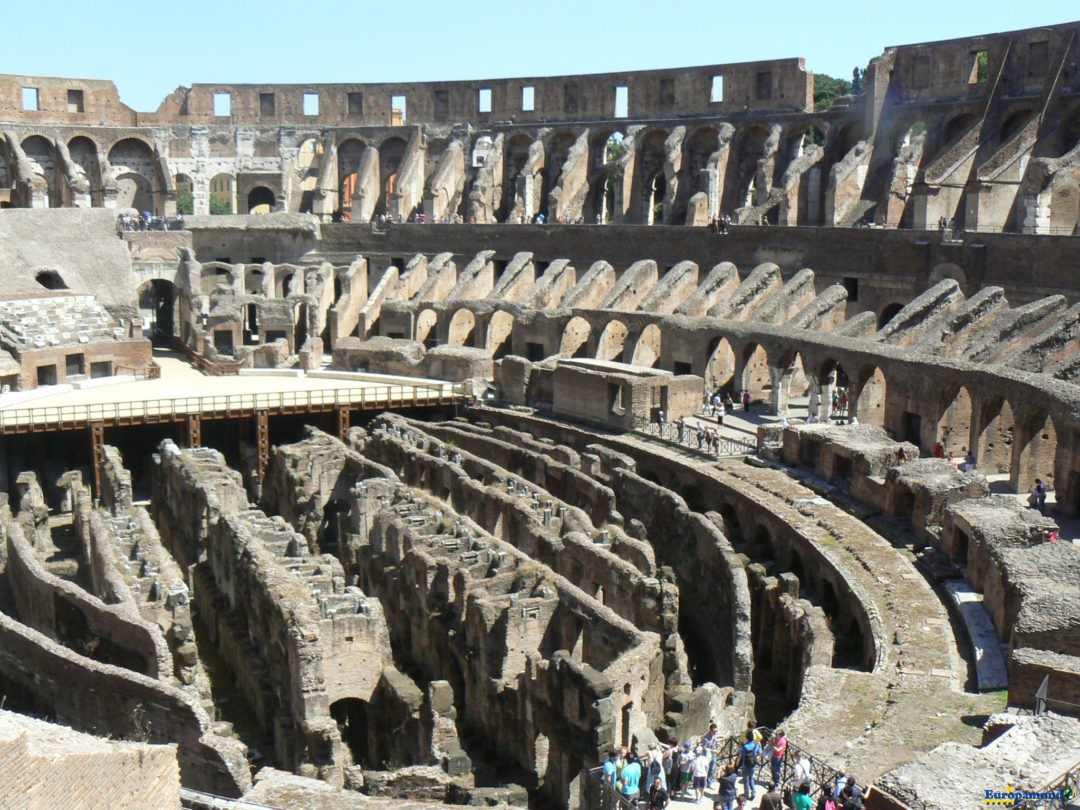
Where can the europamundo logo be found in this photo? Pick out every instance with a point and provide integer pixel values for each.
(1010, 797)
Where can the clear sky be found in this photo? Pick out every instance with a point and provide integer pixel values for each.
(150, 48)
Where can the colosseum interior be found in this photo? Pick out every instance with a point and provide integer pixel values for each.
(358, 450)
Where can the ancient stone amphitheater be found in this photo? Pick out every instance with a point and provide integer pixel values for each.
(358, 449)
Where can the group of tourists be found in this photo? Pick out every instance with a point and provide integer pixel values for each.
(147, 221)
(684, 772)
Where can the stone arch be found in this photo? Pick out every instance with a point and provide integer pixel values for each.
(351, 716)
(603, 204)
(461, 327)
(944, 270)
(870, 396)
(650, 158)
(1034, 452)
(308, 155)
(791, 381)
(612, 341)
(41, 153)
(888, 312)
(740, 185)
(846, 139)
(349, 154)
(1015, 122)
(500, 330)
(185, 194)
(955, 128)
(755, 375)
(84, 154)
(719, 364)
(829, 379)
(954, 427)
(222, 194)
(261, 200)
(301, 322)
(391, 153)
(424, 332)
(134, 158)
(134, 191)
(996, 431)
(284, 281)
(575, 338)
(648, 346)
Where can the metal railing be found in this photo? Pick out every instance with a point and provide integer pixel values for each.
(724, 446)
(31, 419)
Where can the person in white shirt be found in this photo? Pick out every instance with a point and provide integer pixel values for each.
(700, 769)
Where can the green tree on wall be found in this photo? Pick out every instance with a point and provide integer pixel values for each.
(219, 205)
(185, 203)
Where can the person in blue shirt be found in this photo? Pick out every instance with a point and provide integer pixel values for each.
(750, 752)
(611, 767)
(631, 778)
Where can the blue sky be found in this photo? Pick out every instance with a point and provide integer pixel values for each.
(150, 48)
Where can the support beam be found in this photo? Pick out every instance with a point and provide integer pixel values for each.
(262, 440)
(193, 430)
(343, 424)
(97, 445)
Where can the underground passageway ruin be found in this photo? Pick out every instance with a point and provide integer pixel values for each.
(346, 466)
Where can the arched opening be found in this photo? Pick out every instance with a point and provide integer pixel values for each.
(870, 396)
(515, 158)
(425, 328)
(352, 718)
(887, 314)
(997, 429)
(50, 280)
(954, 427)
(720, 365)
(41, 154)
(185, 194)
(650, 157)
(285, 283)
(261, 200)
(957, 127)
(222, 194)
(647, 350)
(461, 328)
(812, 182)
(350, 153)
(612, 341)
(755, 377)
(391, 153)
(500, 329)
(134, 163)
(793, 387)
(84, 156)
(1034, 453)
(575, 338)
(159, 306)
(1013, 124)
(948, 270)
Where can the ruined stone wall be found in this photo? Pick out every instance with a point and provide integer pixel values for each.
(112, 634)
(38, 676)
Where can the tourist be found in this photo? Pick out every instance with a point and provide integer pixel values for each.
(750, 751)
(800, 774)
(746, 401)
(1051, 535)
(1037, 499)
(631, 778)
(728, 789)
(682, 429)
(686, 763)
(611, 767)
(841, 783)
(778, 746)
(939, 449)
(711, 741)
(801, 800)
(852, 795)
(700, 770)
(721, 412)
(658, 796)
(772, 799)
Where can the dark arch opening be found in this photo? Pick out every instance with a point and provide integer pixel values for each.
(50, 280)
(352, 718)
(261, 200)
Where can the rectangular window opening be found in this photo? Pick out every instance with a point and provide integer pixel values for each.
(528, 99)
(484, 100)
(75, 101)
(764, 85)
(311, 103)
(667, 93)
(570, 98)
(442, 104)
(30, 99)
(266, 104)
(356, 103)
(980, 63)
(222, 104)
(716, 95)
(398, 110)
(622, 102)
